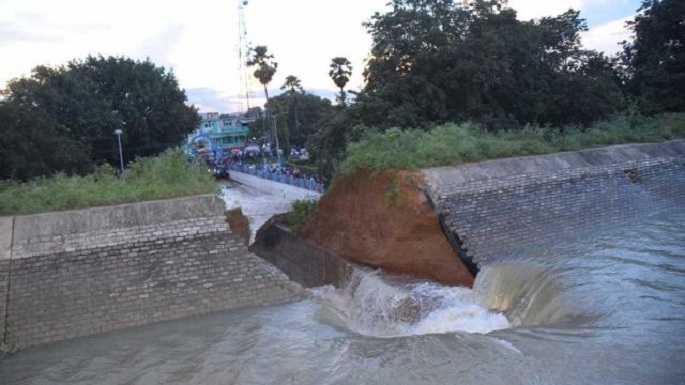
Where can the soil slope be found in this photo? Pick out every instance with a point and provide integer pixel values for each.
(239, 224)
(384, 220)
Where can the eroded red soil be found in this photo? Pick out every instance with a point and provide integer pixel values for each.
(239, 224)
(384, 220)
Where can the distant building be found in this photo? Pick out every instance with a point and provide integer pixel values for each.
(219, 134)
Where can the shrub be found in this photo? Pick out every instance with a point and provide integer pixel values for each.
(301, 209)
(453, 144)
(162, 177)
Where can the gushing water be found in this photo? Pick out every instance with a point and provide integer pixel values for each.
(380, 306)
(606, 309)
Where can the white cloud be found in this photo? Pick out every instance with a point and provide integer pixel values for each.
(304, 35)
(607, 37)
(532, 9)
(198, 40)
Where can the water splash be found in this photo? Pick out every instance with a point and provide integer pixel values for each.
(527, 294)
(383, 306)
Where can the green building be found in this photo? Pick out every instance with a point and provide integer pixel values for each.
(218, 134)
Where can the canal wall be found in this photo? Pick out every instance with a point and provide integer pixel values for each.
(83, 272)
(302, 261)
(274, 188)
(491, 209)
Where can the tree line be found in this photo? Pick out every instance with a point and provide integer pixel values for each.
(431, 62)
(64, 118)
(440, 61)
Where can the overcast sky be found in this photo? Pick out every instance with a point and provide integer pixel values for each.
(198, 40)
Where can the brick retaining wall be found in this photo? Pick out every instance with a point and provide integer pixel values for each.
(494, 208)
(84, 272)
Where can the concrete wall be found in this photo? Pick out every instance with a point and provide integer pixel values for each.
(6, 224)
(303, 261)
(274, 188)
(496, 207)
(76, 273)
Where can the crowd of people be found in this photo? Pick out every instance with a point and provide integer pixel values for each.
(280, 172)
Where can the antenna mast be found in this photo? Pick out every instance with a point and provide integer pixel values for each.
(243, 51)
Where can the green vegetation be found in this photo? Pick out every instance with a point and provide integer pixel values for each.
(63, 119)
(654, 60)
(446, 82)
(452, 144)
(301, 209)
(505, 81)
(305, 166)
(166, 176)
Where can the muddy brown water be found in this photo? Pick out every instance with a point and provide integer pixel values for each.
(605, 309)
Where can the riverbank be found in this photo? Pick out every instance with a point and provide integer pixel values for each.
(485, 211)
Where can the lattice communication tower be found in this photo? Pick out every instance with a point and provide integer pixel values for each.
(243, 52)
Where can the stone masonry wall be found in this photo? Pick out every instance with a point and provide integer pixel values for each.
(126, 271)
(6, 225)
(303, 261)
(494, 208)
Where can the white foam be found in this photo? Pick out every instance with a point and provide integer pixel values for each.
(371, 306)
(507, 345)
(470, 318)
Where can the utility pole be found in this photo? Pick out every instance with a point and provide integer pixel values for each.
(118, 133)
(278, 149)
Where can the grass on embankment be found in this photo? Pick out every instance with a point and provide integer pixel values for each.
(453, 144)
(163, 177)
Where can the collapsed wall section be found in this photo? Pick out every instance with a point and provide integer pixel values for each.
(494, 208)
(84, 272)
(304, 262)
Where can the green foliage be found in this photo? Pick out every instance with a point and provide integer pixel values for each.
(655, 60)
(292, 84)
(341, 70)
(394, 193)
(74, 110)
(302, 113)
(305, 166)
(264, 63)
(327, 146)
(32, 143)
(435, 61)
(162, 177)
(301, 210)
(453, 144)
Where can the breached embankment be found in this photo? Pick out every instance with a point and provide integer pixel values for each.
(384, 220)
(495, 209)
(466, 216)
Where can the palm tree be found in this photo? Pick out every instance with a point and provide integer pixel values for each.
(266, 66)
(265, 71)
(341, 70)
(292, 83)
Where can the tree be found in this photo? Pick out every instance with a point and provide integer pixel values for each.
(341, 70)
(292, 84)
(434, 61)
(301, 118)
(265, 71)
(266, 66)
(655, 59)
(33, 144)
(83, 102)
(328, 145)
